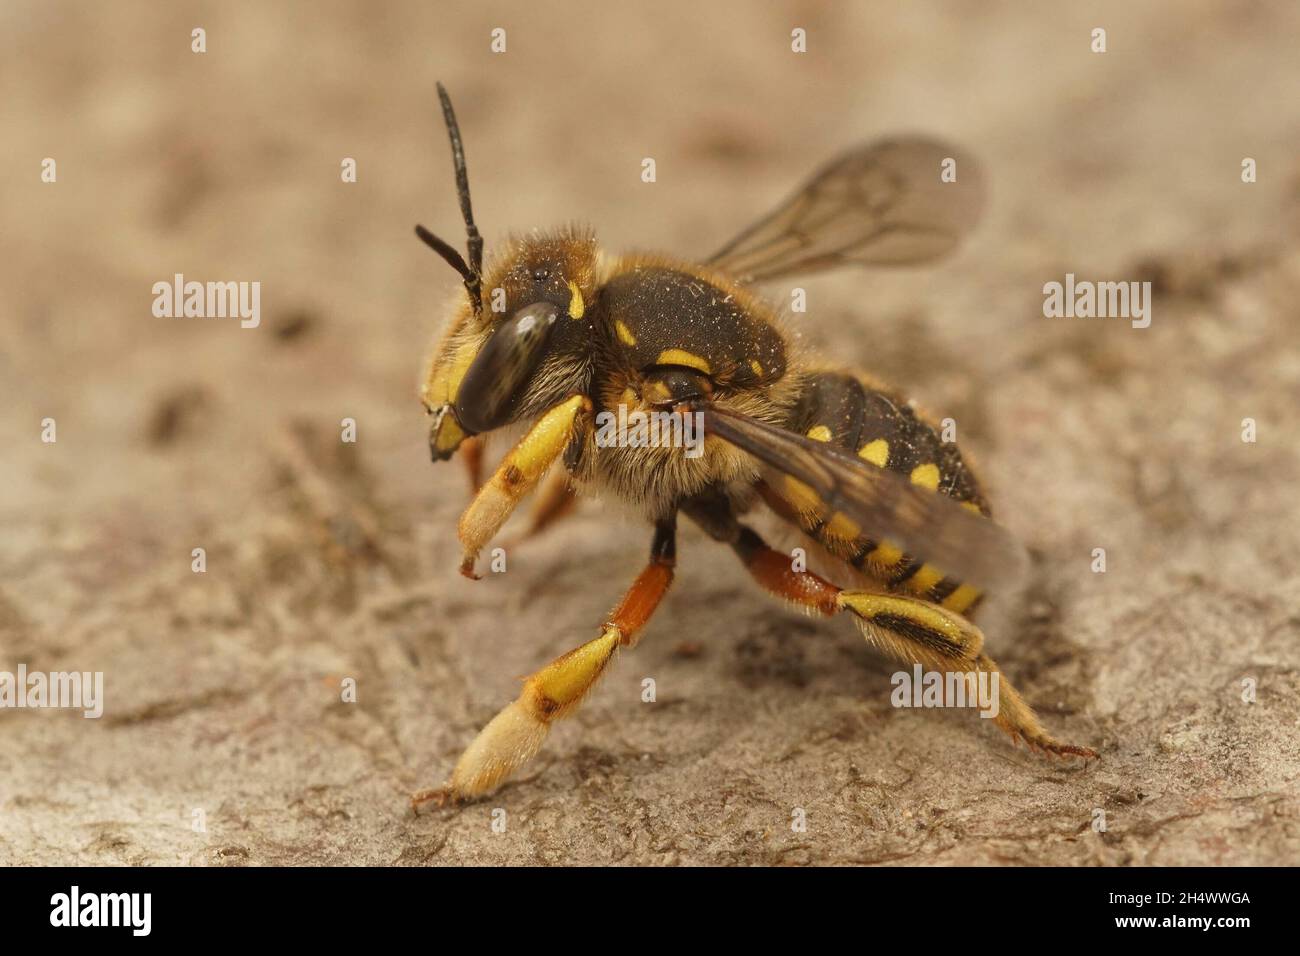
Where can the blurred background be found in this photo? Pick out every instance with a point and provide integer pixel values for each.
(328, 560)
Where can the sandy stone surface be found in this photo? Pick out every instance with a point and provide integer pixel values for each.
(328, 560)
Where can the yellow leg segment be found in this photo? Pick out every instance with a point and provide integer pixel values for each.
(919, 632)
(555, 500)
(906, 628)
(516, 733)
(519, 472)
(913, 630)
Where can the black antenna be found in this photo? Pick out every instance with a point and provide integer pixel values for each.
(471, 273)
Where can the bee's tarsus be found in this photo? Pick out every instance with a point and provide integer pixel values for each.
(439, 796)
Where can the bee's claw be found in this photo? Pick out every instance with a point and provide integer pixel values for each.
(438, 795)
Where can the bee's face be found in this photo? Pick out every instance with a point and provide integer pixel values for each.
(528, 347)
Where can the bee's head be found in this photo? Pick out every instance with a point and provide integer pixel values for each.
(520, 340)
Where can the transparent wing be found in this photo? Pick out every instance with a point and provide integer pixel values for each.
(882, 203)
(885, 504)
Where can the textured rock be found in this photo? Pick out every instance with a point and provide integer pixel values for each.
(328, 561)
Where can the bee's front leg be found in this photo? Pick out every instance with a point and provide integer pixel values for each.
(518, 473)
(556, 499)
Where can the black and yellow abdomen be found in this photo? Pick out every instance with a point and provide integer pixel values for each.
(886, 432)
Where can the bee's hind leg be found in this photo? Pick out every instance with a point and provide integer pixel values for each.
(919, 632)
(516, 733)
(905, 628)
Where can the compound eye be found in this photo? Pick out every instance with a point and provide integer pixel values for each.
(498, 377)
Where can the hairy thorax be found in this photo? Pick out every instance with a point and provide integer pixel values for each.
(672, 334)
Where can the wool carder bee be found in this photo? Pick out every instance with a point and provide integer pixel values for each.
(557, 331)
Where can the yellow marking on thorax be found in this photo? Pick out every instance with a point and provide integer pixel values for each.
(576, 306)
(682, 357)
(624, 333)
(757, 366)
(876, 452)
(972, 507)
(819, 433)
(927, 476)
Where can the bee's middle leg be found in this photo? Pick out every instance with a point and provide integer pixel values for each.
(471, 452)
(516, 733)
(518, 472)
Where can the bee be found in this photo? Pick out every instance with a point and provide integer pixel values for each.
(556, 334)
